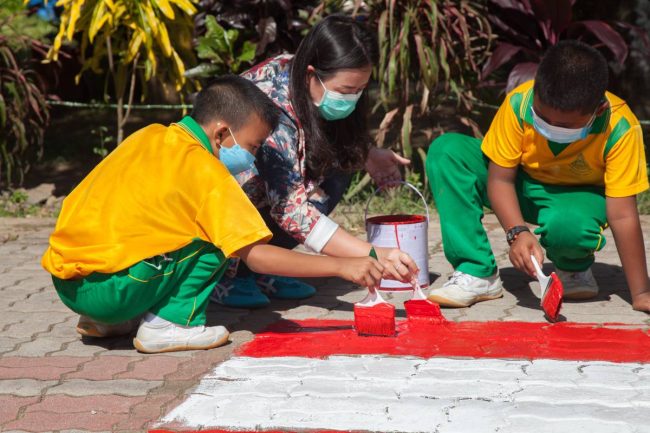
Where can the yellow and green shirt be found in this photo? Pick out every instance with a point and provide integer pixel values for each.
(159, 190)
(612, 155)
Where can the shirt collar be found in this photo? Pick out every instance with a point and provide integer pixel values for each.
(192, 127)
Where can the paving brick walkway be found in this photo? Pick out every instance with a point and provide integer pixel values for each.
(52, 380)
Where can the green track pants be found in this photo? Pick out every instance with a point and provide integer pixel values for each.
(175, 286)
(570, 219)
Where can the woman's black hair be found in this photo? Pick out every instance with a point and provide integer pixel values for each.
(337, 42)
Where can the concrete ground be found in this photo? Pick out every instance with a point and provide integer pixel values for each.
(52, 380)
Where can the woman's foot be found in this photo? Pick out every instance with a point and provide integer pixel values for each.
(284, 287)
(239, 292)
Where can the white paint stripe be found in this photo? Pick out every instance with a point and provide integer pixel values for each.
(402, 394)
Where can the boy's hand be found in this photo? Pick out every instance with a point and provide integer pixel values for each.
(641, 301)
(364, 271)
(397, 264)
(524, 246)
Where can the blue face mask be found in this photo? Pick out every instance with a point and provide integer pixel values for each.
(336, 106)
(559, 134)
(236, 158)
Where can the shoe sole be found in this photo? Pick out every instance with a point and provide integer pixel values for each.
(580, 296)
(90, 332)
(141, 348)
(449, 303)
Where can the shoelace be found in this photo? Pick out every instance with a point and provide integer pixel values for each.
(459, 278)
(222, 290)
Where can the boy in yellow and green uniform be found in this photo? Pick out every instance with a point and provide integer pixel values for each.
(561, 153)
(148, 231)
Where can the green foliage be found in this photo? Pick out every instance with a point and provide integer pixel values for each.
(14, 204)
(104, 140)
(18, 197)
(131, 40)
(431, 51)
(16, 24)
(527, 29)
(23, 109)
(272, 26)
(389, 201)
(222, 49)
(643, 203)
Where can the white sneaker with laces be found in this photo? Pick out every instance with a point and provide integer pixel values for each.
(578, 285)
(164, 336)
(463, 290)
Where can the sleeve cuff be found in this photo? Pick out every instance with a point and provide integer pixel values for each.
(627, 192)
(321, 234)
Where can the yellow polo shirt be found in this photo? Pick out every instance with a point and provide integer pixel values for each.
(612, 155)
(155, 193)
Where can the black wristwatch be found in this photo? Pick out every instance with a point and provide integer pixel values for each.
(513, 232)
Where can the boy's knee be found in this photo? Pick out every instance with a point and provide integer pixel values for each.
(444, 150)
(566, 229)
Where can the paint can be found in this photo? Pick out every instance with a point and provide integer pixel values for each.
(409, 233)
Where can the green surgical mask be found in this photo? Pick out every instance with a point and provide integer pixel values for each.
(337, 106)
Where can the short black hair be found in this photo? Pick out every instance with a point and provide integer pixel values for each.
(233, 99)
(572, 77)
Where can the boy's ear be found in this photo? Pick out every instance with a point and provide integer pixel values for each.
(219, 133)
(602, 107)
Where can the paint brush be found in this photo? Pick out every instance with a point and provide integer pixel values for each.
(374, 316)
(551, 291)
(419, 307)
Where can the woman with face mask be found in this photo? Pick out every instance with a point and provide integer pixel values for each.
(306, 164)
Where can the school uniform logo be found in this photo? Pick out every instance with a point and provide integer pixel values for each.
(579, 166)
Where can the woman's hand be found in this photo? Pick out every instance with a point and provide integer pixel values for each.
(383, 165)
(524, 246)
(364, 271)
(397, 264)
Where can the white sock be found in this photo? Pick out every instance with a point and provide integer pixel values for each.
(155, 320)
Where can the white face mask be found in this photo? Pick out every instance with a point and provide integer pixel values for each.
(559, 134)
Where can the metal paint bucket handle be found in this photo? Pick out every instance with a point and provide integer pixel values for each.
(396, 182)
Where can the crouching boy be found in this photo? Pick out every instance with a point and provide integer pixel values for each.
(561, 153)
(150, 229)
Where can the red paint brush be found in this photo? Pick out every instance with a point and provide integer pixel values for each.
(551, 291)
(374, 316)
(419, 307)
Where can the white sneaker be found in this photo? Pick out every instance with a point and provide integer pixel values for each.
(463, 290)
(170, 337)
(578, 285)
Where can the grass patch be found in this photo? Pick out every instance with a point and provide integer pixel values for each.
(14, 204)
(643, 203)
(399, 200)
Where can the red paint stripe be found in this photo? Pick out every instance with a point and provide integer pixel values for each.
(510, 340)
